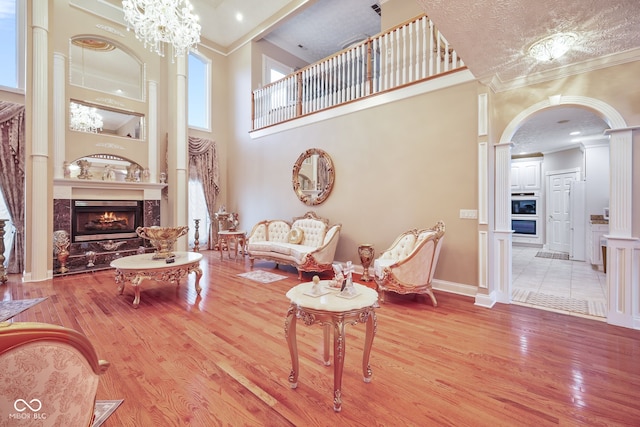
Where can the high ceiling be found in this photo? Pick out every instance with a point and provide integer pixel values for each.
(492, 37)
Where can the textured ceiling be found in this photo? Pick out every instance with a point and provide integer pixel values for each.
(326, 27)
(492, 37)
(550, 130)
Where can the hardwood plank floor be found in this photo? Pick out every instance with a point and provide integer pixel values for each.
(221, 359)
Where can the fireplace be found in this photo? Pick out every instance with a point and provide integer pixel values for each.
(93, 220)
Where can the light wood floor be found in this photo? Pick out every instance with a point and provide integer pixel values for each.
(221, 359)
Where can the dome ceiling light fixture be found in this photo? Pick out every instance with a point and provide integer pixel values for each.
(156, 22)
(552, 47)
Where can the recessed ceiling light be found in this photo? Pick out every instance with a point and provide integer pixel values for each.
(239, 17)
(552, 47)
(575, 132)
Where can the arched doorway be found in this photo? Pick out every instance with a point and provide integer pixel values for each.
(552, 201)
(620, 308)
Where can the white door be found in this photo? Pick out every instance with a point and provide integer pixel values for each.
(558, 210)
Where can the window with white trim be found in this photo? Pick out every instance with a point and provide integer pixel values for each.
(273, 71)
(199, 96)
(12, 54)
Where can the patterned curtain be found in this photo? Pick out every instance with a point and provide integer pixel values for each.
(203, 167)
(12, 146)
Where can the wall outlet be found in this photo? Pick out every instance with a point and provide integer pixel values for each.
(469, 213)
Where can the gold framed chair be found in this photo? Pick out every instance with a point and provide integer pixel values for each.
(408, 266)
(48, 375)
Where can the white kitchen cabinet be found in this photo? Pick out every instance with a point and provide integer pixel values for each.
(526, 175)
(596, 231)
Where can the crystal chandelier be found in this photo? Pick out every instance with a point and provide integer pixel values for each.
(157, 22)
(84, 119)
(552, 47)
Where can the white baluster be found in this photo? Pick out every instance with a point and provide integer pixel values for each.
(425, 47)
(359, 68)
(446, 55)
(431, 48)
(410, 58)
(404, 54)
(439, 49)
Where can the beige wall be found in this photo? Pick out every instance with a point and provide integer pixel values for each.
(398, 166)
(395, 12)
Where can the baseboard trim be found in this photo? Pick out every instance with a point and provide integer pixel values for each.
(455, 288)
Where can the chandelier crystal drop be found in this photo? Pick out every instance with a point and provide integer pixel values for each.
(552, 47)
(156, 22)
(84, 119)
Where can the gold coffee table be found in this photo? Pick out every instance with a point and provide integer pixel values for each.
(137, 268)
(330, 310)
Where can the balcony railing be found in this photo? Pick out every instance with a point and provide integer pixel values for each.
(407, 54)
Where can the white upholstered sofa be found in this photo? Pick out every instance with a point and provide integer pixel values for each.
(408, 266)
(308, 243)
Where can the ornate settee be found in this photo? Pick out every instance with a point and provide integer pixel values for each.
(408, 266)
(308, 243)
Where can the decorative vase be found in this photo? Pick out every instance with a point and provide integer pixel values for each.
(91, 259)
(61, 244)
(63, 255)
(366, 253)
(162, 238)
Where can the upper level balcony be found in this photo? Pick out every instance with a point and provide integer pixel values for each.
(410, 53)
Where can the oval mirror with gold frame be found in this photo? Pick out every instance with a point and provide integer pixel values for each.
(313, 176)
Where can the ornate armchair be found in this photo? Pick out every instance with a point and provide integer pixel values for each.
(48, 373)
(408, 266)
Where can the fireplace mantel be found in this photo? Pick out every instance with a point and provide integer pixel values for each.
(65, 191)
(85, 188)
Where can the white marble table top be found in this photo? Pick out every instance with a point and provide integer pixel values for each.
(331, 301)
(146, 261)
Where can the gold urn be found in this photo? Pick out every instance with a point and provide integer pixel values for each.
(162, 238)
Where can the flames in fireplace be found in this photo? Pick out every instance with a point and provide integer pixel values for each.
(105, 219)
(107, 222)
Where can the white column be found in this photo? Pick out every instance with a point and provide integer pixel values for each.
(37, 217)
(502, 244)
(152, 134)
(620, 184)
(623, 250)
(485, 295)
(59, 115)
(181, 148)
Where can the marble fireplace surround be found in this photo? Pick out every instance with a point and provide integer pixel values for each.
(66, 190)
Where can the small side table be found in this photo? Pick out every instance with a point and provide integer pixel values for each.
(331, 311)
(238, 237)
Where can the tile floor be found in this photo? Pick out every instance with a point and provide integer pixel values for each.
(565, 278)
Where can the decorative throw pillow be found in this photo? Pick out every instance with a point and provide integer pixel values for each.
(295, 235)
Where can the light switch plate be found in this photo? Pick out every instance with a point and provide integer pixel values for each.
(468, 213)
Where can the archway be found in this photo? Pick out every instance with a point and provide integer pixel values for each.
(620, 202)
(556, 262)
